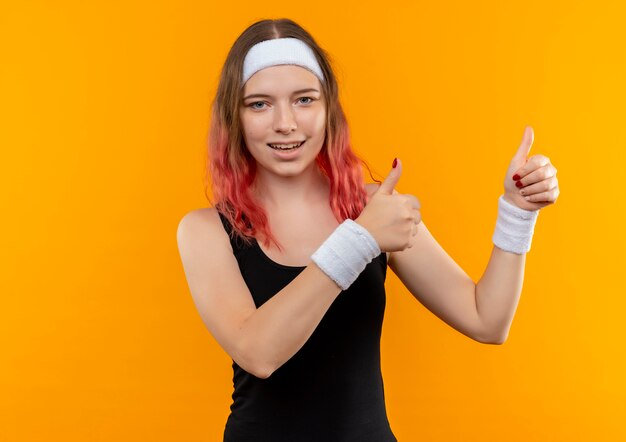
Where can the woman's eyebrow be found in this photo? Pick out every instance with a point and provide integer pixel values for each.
(269, 96)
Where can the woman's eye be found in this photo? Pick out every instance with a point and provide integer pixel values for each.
(261, 103)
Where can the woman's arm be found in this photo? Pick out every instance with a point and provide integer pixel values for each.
(258, 340)
(482, 311)
(441, 285)
(498, 292)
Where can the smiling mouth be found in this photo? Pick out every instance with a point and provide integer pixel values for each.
(285, 149)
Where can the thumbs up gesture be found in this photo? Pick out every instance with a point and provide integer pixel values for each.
(530, 183)
(391, 217)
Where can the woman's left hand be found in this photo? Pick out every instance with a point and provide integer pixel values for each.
(530, 183)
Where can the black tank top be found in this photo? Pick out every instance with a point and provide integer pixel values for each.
(332, 389)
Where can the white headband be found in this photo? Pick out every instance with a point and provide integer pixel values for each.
(280, 51)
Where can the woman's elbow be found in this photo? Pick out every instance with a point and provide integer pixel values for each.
(249, 358)
(497, 339)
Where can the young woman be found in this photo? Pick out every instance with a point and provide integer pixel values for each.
(287, 269)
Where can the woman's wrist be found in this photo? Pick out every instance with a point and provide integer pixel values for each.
(514, 227)
(346, 253)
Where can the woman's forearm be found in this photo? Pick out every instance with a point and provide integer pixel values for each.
(282, 325)
(498, 292)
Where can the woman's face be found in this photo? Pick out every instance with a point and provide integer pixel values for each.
(283, 104)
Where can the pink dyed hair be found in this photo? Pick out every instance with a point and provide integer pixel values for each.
(232, 170)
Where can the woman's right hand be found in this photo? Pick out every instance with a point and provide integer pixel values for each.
(391, 217)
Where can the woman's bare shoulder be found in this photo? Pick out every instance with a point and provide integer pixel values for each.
(370, 188)
(202, 215)
(203, 223)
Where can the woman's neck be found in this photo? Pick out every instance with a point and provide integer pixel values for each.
(284, 192)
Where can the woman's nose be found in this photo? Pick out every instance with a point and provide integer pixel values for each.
(284, 119)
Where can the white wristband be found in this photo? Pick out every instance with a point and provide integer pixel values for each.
(514, 227)
(346, 253)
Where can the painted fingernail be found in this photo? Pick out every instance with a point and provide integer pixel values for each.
(515, 177)
(519, 184)
(395, 163)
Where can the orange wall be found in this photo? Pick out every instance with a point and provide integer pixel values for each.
(105, 109)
